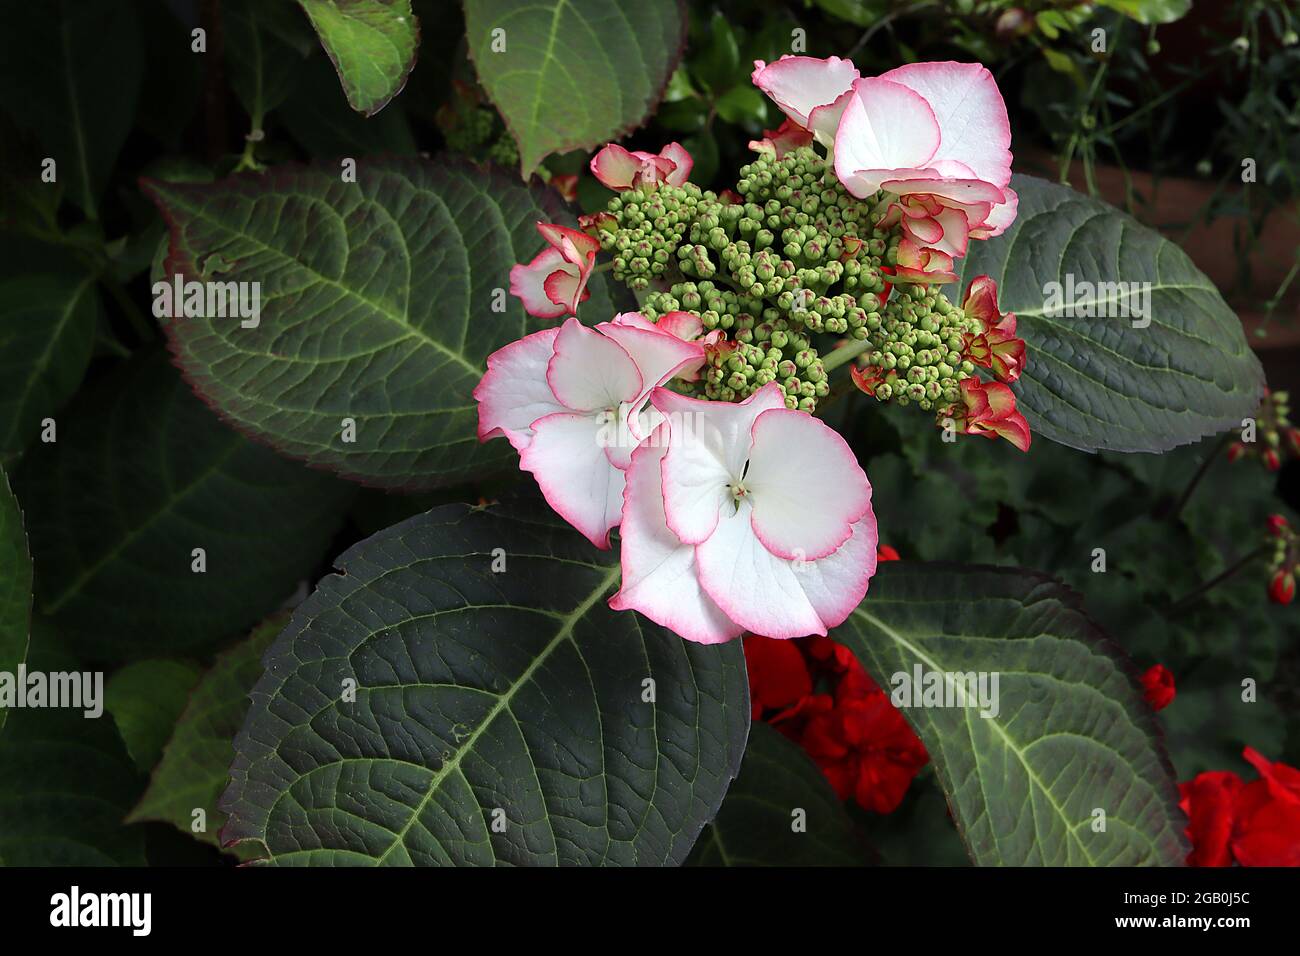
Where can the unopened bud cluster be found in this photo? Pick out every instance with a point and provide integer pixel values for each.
(792, 255)
(1274, 436)
(1285, 561)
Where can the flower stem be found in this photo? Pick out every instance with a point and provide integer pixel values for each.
(1210, 459)
(1199, 591)
(845, 353)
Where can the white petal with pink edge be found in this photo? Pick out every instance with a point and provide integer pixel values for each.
(657, 354)
(752, 586)
(971, 114)
(676, 154)
(590, 371)
(710, 443)
(885, 126)
(800, 85)
(805, 485)
(1000, 217)
(837, 583)
(615, 167)
(514, 393)
(528, 284)
(659, 575)
(567, 457)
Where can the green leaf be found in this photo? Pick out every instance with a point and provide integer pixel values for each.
(65, 782)
(573, 74)
(195, 765)
(141, 475)
(1150, 11)
(267, 45)
(742, 104)
(499, 715)
(1071, 733)
(1102, 383)
(379, 304)
(47, 331)
(372, 44)
(716, 61)
(15, 585)
(325, 126)
(145, 698)
(756, 825)
(53, 81)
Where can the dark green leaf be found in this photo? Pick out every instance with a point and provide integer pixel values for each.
(379, 304)
(778, 791)
(325, 126)
(54, 81)
(1071, 734)
(15, 585)
(1102, 383)
(145, 698)
(267, 45)
(498, 717)
(141, 475)
(716, 61)
(372, 43)
(47, 330)
(195, 765)
(573, 74)
(66, 782)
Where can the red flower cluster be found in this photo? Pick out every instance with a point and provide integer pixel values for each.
(1253, 824)
(1158, 686)
(815, 692)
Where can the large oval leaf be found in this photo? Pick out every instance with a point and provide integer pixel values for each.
(141, 475)
(1106, 382)
(461, 694)
(15, 585)
(380, 302)
(781, 811)
(1068, 734)
(572, 74)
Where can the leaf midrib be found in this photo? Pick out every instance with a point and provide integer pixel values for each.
(200, 213)
(564, 633)
(993, 722)
(74, 587)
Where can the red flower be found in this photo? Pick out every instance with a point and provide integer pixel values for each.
(866, 750)
(989, 409)
(885, 553)
(995, 346)
(1253, 824)
(1281, 590)
(1267, 826)
(1158, 684)
(1208, 802)
(778, 676)
(1277, 525)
